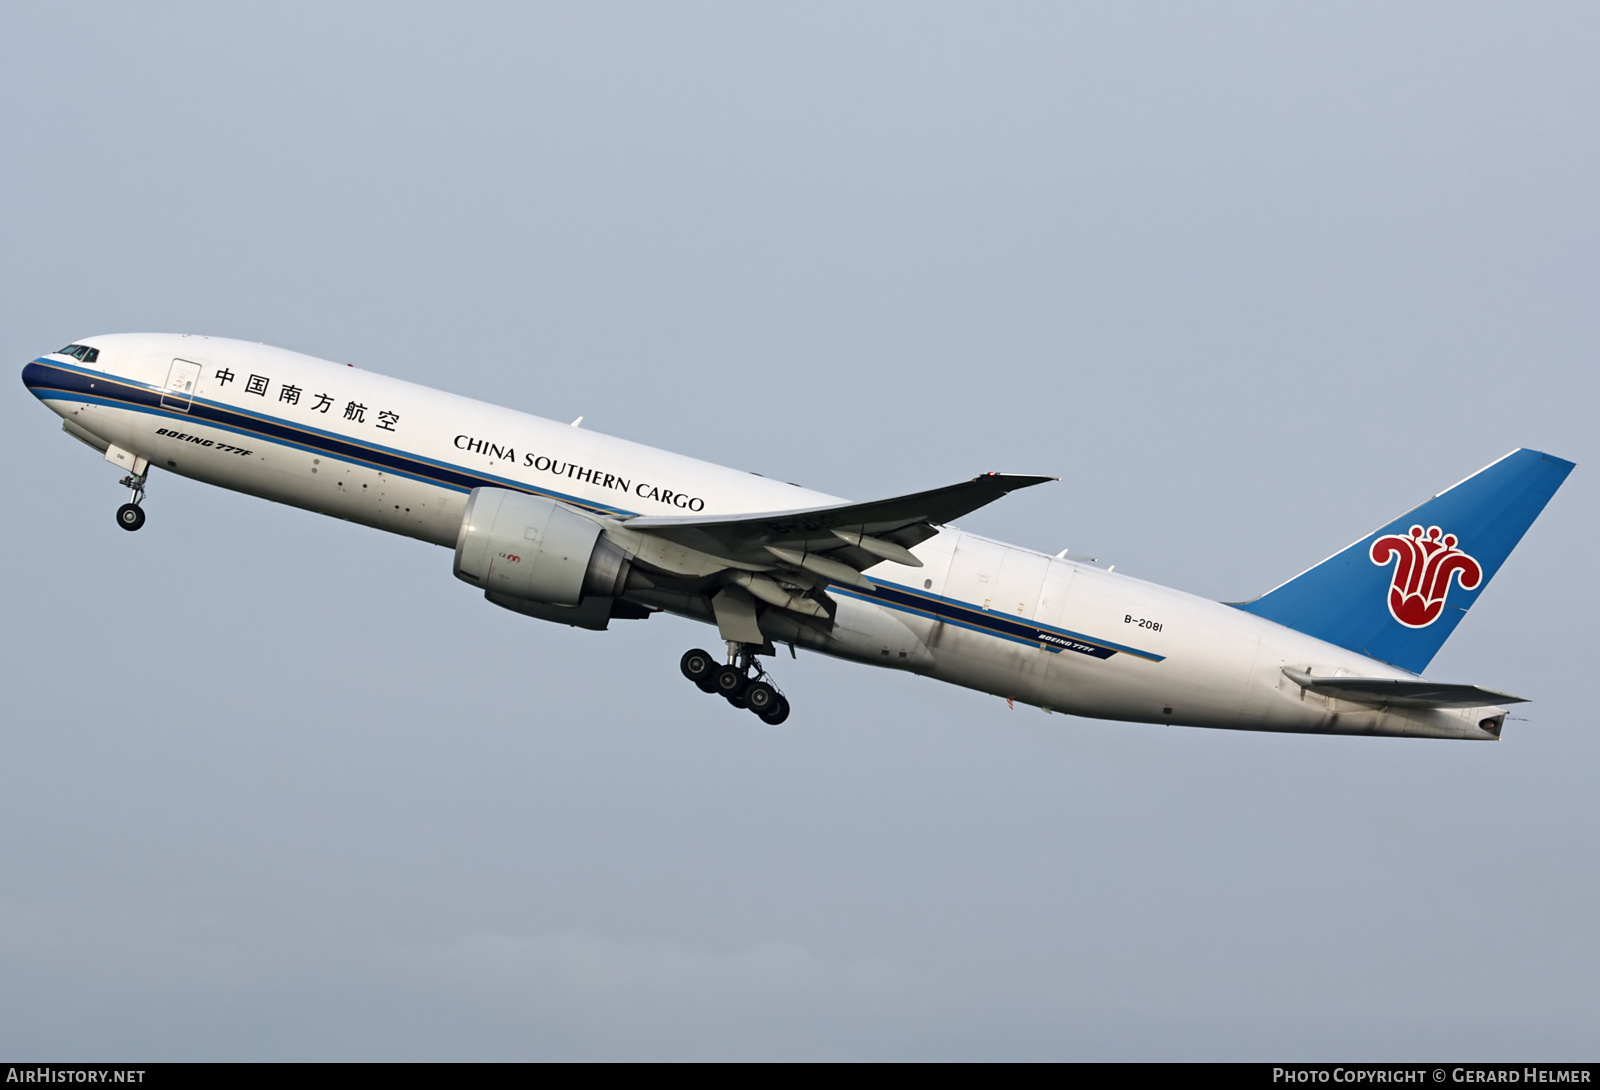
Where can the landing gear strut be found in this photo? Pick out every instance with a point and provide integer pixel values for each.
(130, 516)
(741, 681)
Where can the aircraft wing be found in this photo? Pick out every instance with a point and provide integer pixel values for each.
(859, 534)
(787, 559)
(1401, 692)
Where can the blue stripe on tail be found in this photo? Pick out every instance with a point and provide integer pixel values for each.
(1399, 592)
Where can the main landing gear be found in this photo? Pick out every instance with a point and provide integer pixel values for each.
(130, 516)
(742, 681)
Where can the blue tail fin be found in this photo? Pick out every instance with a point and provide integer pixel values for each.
(1399, 592)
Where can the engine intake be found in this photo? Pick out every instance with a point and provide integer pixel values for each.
(514, 545)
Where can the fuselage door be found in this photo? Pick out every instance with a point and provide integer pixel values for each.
(179, 391)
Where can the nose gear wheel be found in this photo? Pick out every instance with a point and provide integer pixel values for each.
(130, 516)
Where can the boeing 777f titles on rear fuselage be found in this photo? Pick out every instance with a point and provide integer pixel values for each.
(563, 524)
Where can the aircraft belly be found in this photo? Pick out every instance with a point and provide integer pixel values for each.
(869, 633)
(977, 660)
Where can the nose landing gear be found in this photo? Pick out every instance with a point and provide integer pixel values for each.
(130, 516)
(742, 681)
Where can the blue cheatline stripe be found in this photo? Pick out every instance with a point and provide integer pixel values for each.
(53, 381)
(989, 622)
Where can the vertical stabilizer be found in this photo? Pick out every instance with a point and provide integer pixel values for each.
(1399, 592)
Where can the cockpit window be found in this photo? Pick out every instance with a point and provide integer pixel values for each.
(80, 351)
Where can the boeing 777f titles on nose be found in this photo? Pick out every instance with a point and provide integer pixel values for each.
(563, 524)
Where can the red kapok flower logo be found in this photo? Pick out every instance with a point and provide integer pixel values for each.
(1427, 563)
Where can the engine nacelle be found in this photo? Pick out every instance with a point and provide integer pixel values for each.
(514, 545)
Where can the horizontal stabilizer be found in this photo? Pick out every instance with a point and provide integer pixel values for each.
(1401, 692)
(812, 529)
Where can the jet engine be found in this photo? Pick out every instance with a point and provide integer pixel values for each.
(530, 554)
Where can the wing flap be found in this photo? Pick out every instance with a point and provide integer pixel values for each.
(1402, 692)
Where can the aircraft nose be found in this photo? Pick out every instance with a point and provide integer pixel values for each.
(43, 375)
(55, 379)
(34, 376)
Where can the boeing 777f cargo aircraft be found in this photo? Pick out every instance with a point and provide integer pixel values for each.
(564, 524)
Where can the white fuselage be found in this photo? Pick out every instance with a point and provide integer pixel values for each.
(1042, 630)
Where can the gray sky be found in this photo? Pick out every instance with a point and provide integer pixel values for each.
(1251, 279)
